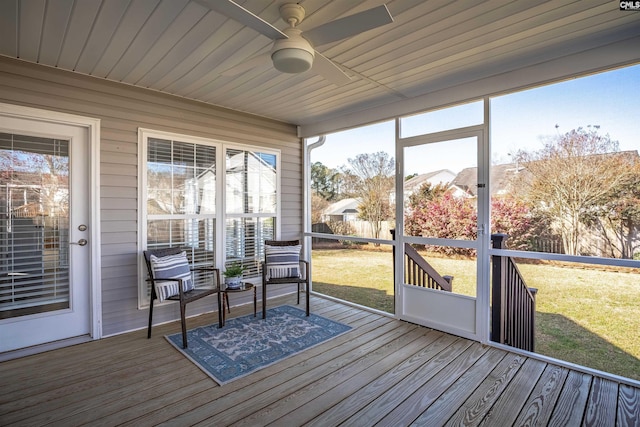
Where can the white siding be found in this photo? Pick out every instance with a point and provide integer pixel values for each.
(122, 110)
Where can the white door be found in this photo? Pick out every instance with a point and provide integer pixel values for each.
(443, 235)
(44, 232)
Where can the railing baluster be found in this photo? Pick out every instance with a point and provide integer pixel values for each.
(513, 304)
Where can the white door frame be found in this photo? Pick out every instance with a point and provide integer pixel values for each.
(92, 126)
(472, 316)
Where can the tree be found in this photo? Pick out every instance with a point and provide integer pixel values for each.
(43, 178)
(371, 176)
(570, 177)
(515, 218)
(442, 215)
(318, 205)
(425, 193)
(436, 212)
(617, 215)
(325, 182)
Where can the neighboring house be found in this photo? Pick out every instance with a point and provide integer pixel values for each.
(439, 177)
(250, 170)
(342, 210)
(347, 209)
(596, 240)
(465, 183)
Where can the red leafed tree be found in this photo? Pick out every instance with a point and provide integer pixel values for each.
(443, 216)
(514, 217)
(440, 214)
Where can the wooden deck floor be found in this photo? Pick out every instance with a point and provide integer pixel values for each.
(383, 372)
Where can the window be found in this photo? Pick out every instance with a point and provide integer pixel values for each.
(183, 180)
(251, 205)
(34, 225)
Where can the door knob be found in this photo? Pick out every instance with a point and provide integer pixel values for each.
(81, 242)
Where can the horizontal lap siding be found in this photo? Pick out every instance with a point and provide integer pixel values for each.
(122, 110)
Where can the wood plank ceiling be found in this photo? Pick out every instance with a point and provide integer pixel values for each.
(180, 47)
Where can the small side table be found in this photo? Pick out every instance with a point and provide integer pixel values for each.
(244, 287)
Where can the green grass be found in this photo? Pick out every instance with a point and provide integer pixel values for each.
(362, 277)
(585, 316)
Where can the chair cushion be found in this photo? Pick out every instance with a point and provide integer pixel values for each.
(282, 261)
(170, 267)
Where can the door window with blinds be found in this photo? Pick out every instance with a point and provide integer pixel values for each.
(34, 225)
(217, 202)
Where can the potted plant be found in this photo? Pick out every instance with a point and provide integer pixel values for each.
(233, 275)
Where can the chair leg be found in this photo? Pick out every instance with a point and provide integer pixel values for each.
(220, 310)
(307, 296)
(299, 293)
(150, 319)
(264, 300)
(184, 324)
(226, 296)
(225, 302)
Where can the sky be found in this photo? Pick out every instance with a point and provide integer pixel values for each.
(519, 120)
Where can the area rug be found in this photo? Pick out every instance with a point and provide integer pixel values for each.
(247, 344)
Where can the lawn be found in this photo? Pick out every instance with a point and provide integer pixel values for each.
(584, 315)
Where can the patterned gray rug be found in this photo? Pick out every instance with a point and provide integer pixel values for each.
(247, 344)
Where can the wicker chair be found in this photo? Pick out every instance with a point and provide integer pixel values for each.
(183, 297)
(302, 280)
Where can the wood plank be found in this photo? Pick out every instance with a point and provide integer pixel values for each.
(387, 401)
(371, 363)
(263, 380)
(601, 405)
(572, 401)
(283, 384)
(539, 407)
(383, 371)
(628, 406)
(64, 368)
(515, 394)
(474, 409)
(107, 400)
(447, 404)
(334, 415)
(39, 409)
(407, 408)
(391, 368)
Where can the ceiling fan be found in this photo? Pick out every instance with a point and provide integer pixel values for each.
(293, 50)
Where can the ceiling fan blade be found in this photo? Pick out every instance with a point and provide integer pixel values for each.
(254, 62)
(238, 13)
(349, 26)
(329, 70)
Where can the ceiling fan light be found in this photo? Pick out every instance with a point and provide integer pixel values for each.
(292, 60)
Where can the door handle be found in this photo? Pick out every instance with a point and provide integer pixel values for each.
(81, 242)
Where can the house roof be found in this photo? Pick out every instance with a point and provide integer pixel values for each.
(502, 175)
(434, 53)
(343, 206)
(417, 181)
(501, 178)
